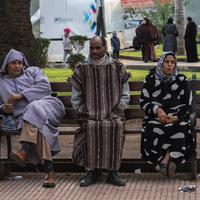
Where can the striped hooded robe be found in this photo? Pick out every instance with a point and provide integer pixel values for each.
(99, 141)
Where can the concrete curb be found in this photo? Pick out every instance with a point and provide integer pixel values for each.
(140, 59)
(148, 67)
(140, 65)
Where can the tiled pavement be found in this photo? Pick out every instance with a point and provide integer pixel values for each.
(147, 186)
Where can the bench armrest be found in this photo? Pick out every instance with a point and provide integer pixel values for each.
(193, 132)
(192, 122)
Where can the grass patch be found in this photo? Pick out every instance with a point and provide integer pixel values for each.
(139, 75)
(60, 75)
(158, 50)
(57, 74)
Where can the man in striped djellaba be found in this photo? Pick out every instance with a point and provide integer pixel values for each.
(100, 94)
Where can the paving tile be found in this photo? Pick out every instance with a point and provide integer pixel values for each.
(147, 186)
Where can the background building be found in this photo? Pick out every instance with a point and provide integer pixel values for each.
(137, 3)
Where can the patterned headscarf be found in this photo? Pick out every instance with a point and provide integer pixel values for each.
(159, 71)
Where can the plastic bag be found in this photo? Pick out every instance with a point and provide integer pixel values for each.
(188, 188)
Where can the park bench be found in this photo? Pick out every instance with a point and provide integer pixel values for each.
(132, 112)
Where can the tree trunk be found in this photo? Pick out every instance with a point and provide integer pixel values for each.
(16, 30)
(180, 22)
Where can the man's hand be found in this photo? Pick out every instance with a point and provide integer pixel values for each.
(13, 97)
(68, 79)
(7, 108)
(162, 116)
(172, 119)
(77, 64)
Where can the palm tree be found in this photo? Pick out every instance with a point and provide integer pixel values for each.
(16, 29)
(180, 22)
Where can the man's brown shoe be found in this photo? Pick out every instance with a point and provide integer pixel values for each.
(49, 180)
(19, 157)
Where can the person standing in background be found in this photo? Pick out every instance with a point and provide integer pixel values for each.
(170, 32)
(147, 34)
(115, 45)
(190, 40)
(67, 45)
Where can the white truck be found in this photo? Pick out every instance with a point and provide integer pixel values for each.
(81, 17)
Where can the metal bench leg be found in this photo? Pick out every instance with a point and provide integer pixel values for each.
(7, 167)
(193, 162)
(194, 167)
(193, 124)
(1, 167)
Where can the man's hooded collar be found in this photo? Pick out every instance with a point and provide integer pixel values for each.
(108, 60)
(11, 56)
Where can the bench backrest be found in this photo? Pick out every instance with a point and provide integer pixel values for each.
(195, 87)
(129, 113)
(133, 111)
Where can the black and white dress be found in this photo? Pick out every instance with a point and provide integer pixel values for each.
(158, 139)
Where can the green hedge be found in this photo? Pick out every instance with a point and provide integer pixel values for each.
(78, 42)
(74, 59)
(42, 47)
(198, 36)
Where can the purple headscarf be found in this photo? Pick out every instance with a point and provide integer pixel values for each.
(11, 56)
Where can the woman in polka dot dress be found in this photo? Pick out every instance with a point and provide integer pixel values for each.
(166, 138)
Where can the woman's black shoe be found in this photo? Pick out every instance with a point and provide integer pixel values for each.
(171, 168)
(146, 61)
(89, 179)
(162, 168)
(155, 60)
(113, 178)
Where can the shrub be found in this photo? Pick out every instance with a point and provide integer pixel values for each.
(42, 47)
(74, 59)
(198, 36)
(78, 42)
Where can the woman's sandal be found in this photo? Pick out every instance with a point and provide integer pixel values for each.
(162, 168)
(171, 168)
